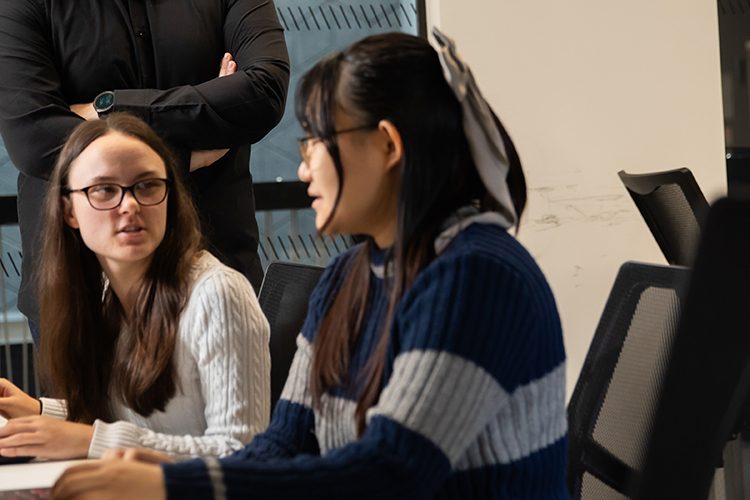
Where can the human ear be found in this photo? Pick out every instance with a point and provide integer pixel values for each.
(394, 145)
(69, 213)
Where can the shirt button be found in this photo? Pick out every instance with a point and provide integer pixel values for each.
(140, 34)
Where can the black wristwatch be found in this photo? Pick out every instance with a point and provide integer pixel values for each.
(104, 103)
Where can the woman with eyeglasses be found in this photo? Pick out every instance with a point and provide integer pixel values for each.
(431, 363)
(149, 340)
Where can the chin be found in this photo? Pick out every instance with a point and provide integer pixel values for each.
(136, 254)
(319, 225)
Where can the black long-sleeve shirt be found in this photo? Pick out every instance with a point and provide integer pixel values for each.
(161, 59)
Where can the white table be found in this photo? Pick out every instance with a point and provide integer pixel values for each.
(33, 474)
(37, 474)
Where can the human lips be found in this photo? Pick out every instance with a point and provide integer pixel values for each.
(130, 229)
(315, 197)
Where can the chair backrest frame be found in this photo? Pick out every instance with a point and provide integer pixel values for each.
(284, 296)
(644, 187)
(705, 391)
(586, 455)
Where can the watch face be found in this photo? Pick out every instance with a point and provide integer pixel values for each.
(104, 101)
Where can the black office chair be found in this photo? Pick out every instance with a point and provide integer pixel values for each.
(674, 208)
(611, 409)
(708, 380)
(283, 298)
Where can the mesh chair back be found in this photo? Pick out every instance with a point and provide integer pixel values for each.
(610, 412)
(283, 298)
(708, 379)
(674, 209)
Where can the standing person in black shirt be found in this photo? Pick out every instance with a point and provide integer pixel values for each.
(64, 61)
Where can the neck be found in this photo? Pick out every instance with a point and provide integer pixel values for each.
(124, 278)
(384, 221)
(385, 236)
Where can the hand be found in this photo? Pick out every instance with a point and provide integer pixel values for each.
(45, 437)
(16, 403)
(110, 479)
(138, 454)
(204, 158)
(228, 65)
(85, 111)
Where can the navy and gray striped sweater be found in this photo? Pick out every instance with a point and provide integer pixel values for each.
(473, 403)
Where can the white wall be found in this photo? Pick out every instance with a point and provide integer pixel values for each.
(587, 88)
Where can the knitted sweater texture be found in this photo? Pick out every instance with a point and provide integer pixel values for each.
(473, 398)
(222, 365)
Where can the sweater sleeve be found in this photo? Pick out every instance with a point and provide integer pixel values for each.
(228, 336)
(54, 408)
(458, 323)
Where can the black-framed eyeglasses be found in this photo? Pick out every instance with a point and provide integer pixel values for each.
(108, 196)
(305, 143)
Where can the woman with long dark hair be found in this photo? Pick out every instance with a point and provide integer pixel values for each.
(149, 340)
(431, 363)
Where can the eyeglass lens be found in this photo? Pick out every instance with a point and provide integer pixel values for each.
(107, 196)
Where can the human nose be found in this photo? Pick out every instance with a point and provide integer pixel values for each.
(303, 172)
(129, 203)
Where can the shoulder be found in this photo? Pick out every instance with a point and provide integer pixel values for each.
(481, 251)
(221, 303)
(484, 300)
(214, 284)
(207, 267)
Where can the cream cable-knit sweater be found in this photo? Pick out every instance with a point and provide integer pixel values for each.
(223, 369)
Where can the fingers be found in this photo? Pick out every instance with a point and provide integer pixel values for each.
(27, 444)
(7, 388)
(228, 65)
(22, 424)
(20, 439)
(13, 427)
(138, 455)
(23, 451)
(85, 111)
(6, 407)
(205, 157)
(29, 419)
(215, 155)
(15, 403)
(109, 479)
(77, 480)
(147, 456)
(224, 66)
(114, 454)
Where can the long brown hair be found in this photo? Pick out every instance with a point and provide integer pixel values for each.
(396, 77)
(81, 318)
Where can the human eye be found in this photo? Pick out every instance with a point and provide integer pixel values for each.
(150, 191)
(104, 191)
(149, 186)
